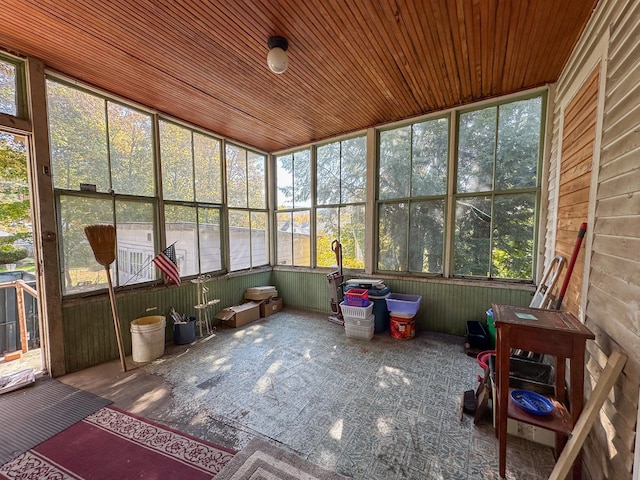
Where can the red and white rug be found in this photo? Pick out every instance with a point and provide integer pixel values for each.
(112, 444)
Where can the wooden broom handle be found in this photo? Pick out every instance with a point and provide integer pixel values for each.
(116, 322)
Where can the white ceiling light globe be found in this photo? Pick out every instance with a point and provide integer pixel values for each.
(277, 56)
(277, 60)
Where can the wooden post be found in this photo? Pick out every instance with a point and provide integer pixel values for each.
(22, 321)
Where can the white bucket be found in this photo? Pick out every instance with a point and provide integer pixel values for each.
(147, 338)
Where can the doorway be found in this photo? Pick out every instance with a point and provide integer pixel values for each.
(20, 317)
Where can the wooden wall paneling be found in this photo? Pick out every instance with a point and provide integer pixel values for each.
(88, 327)
(611, 296)
(575, 182)
(353, 65)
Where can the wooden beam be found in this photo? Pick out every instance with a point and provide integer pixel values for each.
(589, 414)
(22, 321)
(45, 237)
(14, 124)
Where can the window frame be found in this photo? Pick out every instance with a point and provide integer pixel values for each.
(247, 207)
(341, 205)
(293, 210)
(22, 105)
(157, 200)
(495, 192)
(193, 203)
(411, 200)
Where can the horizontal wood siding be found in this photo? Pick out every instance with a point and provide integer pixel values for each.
(445, 307)
(89, 336)
(613, 290)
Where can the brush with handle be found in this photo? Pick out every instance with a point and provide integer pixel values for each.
(102, 239)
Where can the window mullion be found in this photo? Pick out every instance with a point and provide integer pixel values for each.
(452, 162)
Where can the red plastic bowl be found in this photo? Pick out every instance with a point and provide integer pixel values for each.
(483, 358)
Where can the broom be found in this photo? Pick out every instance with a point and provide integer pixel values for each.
(102, 239)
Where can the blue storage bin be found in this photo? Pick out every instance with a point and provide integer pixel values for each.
(403, 303)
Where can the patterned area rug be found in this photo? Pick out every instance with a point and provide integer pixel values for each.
(113, 444)
(260, 460)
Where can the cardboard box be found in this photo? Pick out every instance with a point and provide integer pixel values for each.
(271, 306)
(239, 315)
(260, 293)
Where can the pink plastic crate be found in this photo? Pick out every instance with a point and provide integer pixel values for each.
(357, 297)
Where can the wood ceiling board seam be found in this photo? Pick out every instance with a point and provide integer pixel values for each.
(384, 56)
(423, 47)
(512, 42)
(501, 16)
(393, 84)
(451, 65)
(452, 90)
(550, 30)
(403, 52)
(476, 29)
(462, 14)
(487, 17)
(379, 102)
(339, 97)
(458, 36)
(533, 32)
(527, 42)
(539, 54)
(429, 71)
(433, 54)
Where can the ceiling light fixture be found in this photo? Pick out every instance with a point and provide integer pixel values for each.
(277, 56)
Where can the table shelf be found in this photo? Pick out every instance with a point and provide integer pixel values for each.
(558, 421)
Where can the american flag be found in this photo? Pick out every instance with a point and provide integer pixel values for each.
(167, 263)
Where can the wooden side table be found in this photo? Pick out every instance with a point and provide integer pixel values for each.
(551, 332)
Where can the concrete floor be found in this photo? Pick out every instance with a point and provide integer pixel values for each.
(379, 409)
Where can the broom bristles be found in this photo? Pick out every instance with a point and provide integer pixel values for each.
(102, 239)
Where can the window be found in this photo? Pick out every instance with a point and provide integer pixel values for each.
(9, 79)
(192, 193)
(494, 194)
(293, 217)
(412, 187)
(247, 202)
(341, 171)
(496, 190)
(103, 173)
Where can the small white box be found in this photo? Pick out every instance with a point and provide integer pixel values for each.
(359, 322)
(355, 331)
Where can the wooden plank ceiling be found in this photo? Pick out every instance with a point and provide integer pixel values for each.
(353, 64)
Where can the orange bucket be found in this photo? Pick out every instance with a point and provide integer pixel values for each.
(402, 328)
